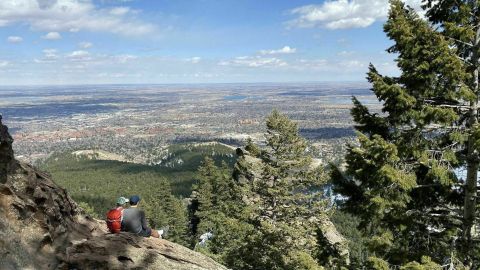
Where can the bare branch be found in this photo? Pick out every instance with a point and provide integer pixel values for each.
(460, 41)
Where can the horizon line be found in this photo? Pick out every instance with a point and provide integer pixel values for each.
(180, 83)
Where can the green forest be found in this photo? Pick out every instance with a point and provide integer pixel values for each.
(96, 184)
(402, 202)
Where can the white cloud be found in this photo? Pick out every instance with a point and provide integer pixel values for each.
(79, 56)
(284, 50)
(115, 1)
(346, 53)
(124, 58)
(343, 14)
(85, 45)
(79, 53)
(49, 56)
(194, 60)
(330, 65)
(254, 61)
(4, 63)
(113, 75)
(119, 11)
(50, 53)
(71, 15)
(354, 64)
(14, 39)
(52, 36)
(308, 64)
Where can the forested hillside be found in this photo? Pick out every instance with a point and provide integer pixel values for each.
(177, 164)
(96, 184)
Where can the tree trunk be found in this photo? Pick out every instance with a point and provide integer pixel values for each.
(472, 153)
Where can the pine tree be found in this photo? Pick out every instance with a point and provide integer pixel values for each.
(217, 209)
(253, 149)
(270, 212)
(177, 221)
(165, 210)
(286, 202)
(401, 177)
(215, 193)
(460, 23)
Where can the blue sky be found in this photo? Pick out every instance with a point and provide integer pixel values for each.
(195, 41)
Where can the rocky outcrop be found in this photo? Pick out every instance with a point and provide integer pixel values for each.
(334, 241)
(38, 220)
(6, 151)
(247, 168)
(126, 251)
(41, 227)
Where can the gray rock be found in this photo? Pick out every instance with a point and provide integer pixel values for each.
(128, 251)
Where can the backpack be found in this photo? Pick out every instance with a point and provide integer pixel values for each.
(114, 220)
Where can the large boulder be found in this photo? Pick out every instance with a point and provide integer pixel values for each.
(127, 251)
(41, 227)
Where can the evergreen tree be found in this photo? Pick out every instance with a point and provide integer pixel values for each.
(268, 214)
(253, 149)
(217, 209)
(286, 202)
(88, 209)
(347, 224)
(460, 23)
(215, 194)
(177, 221)
(165, 210)
(401, 178)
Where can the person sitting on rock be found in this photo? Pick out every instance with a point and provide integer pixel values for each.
(122, 203)
(134, 220)
(115, 216)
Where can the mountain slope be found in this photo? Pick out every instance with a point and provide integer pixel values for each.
(41, 227)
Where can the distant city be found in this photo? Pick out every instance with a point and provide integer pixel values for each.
(137, 121)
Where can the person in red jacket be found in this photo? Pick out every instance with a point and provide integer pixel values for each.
(115, 216)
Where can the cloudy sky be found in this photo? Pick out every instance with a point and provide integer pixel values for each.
(191, 41)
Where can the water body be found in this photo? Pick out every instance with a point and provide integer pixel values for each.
(12, 131)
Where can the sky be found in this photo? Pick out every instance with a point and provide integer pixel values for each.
(50, 42)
